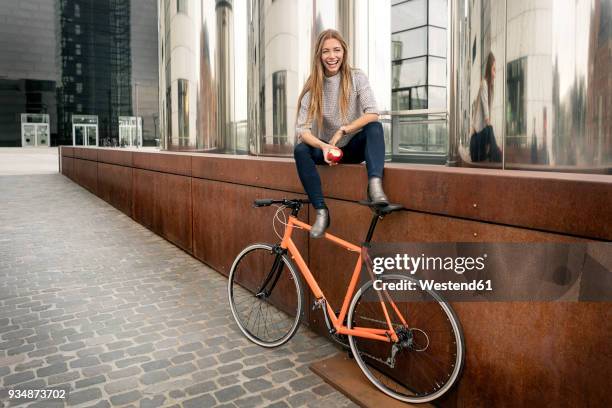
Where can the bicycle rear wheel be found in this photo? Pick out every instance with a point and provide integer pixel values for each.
(428, 359)
(265, 295)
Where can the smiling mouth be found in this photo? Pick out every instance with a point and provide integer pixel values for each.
(332, 64)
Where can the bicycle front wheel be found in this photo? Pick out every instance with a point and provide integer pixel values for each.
(265, 295)
(428, 359)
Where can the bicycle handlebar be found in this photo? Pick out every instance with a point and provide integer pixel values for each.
(265, 202)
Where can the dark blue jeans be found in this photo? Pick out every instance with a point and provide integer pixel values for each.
(368, 145)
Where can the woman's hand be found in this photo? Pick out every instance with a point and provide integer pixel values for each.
(336, 137)
(326, 147)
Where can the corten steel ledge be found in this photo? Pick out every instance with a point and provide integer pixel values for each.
(530, 353)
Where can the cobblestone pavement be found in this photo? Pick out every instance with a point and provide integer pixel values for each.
(92, 302)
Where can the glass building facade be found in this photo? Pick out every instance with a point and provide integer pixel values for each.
(244, 64)
(73, 58)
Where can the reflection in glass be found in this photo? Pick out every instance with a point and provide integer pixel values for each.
(552, 91)
(437, 42)
(409, 14)
(420, 138)
(408, 73)
(410, 44)
(183, 112)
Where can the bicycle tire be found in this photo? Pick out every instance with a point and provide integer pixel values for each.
(247, 273)
(406, 380)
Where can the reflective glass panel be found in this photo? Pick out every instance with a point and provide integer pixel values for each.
(410, 14)
(437, 71)
(409, 73)
(438, 13)
(437, 41)
(409, 44)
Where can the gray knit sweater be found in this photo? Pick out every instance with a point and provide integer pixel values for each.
(361, 100)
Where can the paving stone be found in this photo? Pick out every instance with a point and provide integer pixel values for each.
(280, 364)
(182, 369)
(200, 402)
(57, 368)
(229, 368)
(125, 398)
(182, 358)
(90, 381)
(201, 388)
(229, 393)
(120, 386)
(63, 378)
(257, 385)
(300, 399)
(227, 380)
(255, 372)
(18, 378)
(304, 382)
(153, 402)
(275, 393)
(97, 370)
(111, 356)
(154, 377)
(85, 362)
(125, 372)
(155, 365)
(132, 360)
(80, 397)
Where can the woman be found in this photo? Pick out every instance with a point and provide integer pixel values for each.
(337, 109)
(482, 142)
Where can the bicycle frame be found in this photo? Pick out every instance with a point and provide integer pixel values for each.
(388, 335)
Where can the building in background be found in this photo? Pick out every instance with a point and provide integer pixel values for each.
(84, 63)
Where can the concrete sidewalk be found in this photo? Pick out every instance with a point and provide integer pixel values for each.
(32, 160)
(92, 302)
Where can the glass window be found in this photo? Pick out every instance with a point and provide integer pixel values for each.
(409, 73)
(77, 10)
(436, 97)
(77, 49)
(409, 99)
(79, 68)
(410, 14)
(437, 42)
(409, 44)
(77, 29)
(438, 13)
(183, 111)
(279, 102)
(79, 87)
(437, 71)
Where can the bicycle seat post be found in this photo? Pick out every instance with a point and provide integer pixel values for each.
(373, 223)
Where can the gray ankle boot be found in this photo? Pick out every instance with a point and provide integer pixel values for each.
(321, 223)
(376, 195)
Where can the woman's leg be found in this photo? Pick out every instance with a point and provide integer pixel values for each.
(368, 145)
(306, 159)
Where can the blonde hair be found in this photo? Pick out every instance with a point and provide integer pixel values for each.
(314, 83)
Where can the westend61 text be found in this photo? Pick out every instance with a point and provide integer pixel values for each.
(433, 285)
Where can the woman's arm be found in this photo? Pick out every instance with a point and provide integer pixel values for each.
(484, 99)
(354, 126)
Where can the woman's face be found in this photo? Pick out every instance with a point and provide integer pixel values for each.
(332, 56)
(493, 71)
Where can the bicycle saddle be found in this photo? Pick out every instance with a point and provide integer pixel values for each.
(382, 209)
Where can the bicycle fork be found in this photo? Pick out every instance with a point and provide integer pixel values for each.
(273, 275)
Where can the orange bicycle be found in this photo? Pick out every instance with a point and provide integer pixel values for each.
(410, 348)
